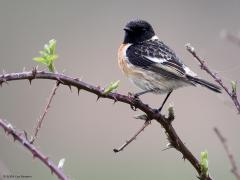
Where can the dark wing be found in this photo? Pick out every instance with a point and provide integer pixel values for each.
(154, 55)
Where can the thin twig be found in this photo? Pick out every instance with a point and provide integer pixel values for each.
(229, 154)
(40, 120)
(151, 113)
(18, 136)
(133, 137)
(204, 66)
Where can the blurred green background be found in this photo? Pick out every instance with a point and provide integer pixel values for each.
(84, 131)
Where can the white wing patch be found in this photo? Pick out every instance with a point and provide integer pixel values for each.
(189, 71)
(155, 59)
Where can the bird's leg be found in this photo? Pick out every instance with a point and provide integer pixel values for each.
(143, 92)
(137, 95)
(159, 110)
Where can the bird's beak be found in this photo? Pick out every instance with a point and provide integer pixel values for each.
(127, 29)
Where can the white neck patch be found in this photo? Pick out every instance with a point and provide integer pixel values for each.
(154, 37)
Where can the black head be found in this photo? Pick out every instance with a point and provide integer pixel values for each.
(137, 31)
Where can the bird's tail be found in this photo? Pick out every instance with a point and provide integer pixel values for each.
(205, 83)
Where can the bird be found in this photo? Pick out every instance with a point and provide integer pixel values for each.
(152, 65)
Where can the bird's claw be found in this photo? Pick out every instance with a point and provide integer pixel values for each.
(132, 95)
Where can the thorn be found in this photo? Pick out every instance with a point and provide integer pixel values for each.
(77, 79)
(58, 83)
(34, 72)
(30, 81)
(34, 155)
(70, 87)
(184, 158)
(114, 101)
(24, 69)
(51, 169)
(78, 89)
(133, 108)
(98, 97)
(4, 80)
(14, 137)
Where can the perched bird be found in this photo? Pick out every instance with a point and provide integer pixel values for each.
(152, 65)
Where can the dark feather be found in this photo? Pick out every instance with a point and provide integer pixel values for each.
(171, 66)
(205, 83)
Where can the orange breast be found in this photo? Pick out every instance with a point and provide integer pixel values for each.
(123, 63)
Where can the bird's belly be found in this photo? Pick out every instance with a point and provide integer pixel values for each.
(146, 80)
(159, 84)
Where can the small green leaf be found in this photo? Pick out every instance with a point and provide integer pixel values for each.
(204, 162)
(43, 53)
(53, 57)
(40, 59)
(52, 46)
(51, 67)
(46, 48)
(113, 86)
(48, 55)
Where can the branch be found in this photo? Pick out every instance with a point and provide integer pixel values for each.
(146, 123)
(229, 154)
(40, 120)
(8, 128)
(152, 114)
(233, 94)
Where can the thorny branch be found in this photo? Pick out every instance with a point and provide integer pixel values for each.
(229, 154)
(20, 137)
(40, 120)
(152, 114)
(233, 94)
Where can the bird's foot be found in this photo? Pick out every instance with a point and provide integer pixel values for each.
(134, 96)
